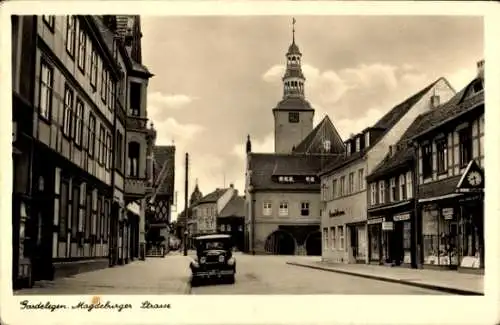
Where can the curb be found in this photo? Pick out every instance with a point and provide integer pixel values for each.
(386, 279)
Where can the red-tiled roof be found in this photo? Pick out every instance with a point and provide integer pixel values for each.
(234, 208)
(165, 155)
(385, 123)
(264, 166)
(313, 143)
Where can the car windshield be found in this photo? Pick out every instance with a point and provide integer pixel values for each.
(213, 245)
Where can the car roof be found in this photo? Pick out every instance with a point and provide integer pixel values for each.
(214, 236)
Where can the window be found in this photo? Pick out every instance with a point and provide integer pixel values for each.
(70, 35)
(358, 144)
(119, 151)
(104, 84)
(409, 185)
(442, 156)
(133, 159)
(342, 186)
(99, 217)
(402, 187)
(361, 179)
(325, 238)
(112, 90)
(46, 84)
(267, 210)
(102, 146)
(304, 209)
(293, 117)
(381, 194)
(327, 145)
(49, 20)
(75, 209)
(348, 148)
(228, 227)
(427, 160)
(222, 228)
(63, 211)
(283, 209)
(93, 68)
(333, 237)
(109, 150)
(91, 135)
(78, 122)
(373, 193)
(341, 237)
(88, 215)
(135, 98)
(392, 189)
(82, 39)
(351, 183)
(335, 189)
(465, 144)
(68, 108)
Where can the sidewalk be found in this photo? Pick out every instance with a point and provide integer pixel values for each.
(447, 281)
(168, 275)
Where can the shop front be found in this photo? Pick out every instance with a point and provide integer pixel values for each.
(471, 232)
(357, 243)
(375, 239)
(440, 234)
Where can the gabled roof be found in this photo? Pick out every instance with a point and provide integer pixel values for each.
(164, 155)
(313, 142)
(426, 121)
(385, 123)
(264, 166)
(234, 208)
(457, 105)
(213, 196)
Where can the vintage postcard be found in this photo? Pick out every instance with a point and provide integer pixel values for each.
(249, 162)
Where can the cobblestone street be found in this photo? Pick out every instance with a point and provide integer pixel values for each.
(255, 275)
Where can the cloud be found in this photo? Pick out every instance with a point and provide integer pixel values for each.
(173, 101)
(275, 73)
(460, 78)
(262, 145)
(173, 130)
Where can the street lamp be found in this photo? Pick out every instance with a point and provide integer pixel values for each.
(185, 241)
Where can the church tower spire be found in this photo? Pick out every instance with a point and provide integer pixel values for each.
(293, 80)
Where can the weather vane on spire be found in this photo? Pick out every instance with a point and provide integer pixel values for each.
(293, 29)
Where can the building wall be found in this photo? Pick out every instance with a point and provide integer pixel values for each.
(352, 205)
(205, 216)
(286, 134)
(453, 153)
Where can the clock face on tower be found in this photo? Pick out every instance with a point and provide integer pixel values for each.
(474, 178)
(293, 117)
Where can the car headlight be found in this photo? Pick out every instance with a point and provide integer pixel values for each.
(203, 259)
(221, 258)
(230, 261)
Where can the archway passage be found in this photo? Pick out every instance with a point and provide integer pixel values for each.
(280, 243)
(313, 244)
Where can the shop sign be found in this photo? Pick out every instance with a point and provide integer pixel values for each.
(387, 225)
(402, 217)
(375, 221)
(336, 213)
(447, 213)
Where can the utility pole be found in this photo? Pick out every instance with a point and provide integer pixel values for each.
(186, 206)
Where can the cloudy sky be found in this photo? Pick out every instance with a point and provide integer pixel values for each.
(218, 78)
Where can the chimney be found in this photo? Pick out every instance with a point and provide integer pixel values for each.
(391, 150)
(231, 185)
(480, 69)
(434, 99)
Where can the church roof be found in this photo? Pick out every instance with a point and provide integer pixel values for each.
(264, 166)
(385, 124)
(293, 49)
(165, 155)
(313, 142)
(293, 104)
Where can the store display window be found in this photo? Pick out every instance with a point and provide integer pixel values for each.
(375, 237)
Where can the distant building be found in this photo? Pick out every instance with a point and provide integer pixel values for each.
(231, 220)
(282, 209)
(344, 192)
(206, 210)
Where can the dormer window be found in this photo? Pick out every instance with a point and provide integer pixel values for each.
(358, 144)
(285, 179)
(367, 139)
(348, 148)
(281, 179)
(310, 179)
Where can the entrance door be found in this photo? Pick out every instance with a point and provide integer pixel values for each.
(354, 241)
(452, 245)
(397, 254)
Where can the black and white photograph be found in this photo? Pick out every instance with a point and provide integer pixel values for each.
(247, 154)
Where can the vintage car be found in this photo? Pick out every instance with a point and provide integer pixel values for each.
(214, 258)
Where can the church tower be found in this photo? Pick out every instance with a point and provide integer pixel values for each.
(293, 116)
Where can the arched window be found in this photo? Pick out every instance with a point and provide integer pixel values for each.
(133, 159)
